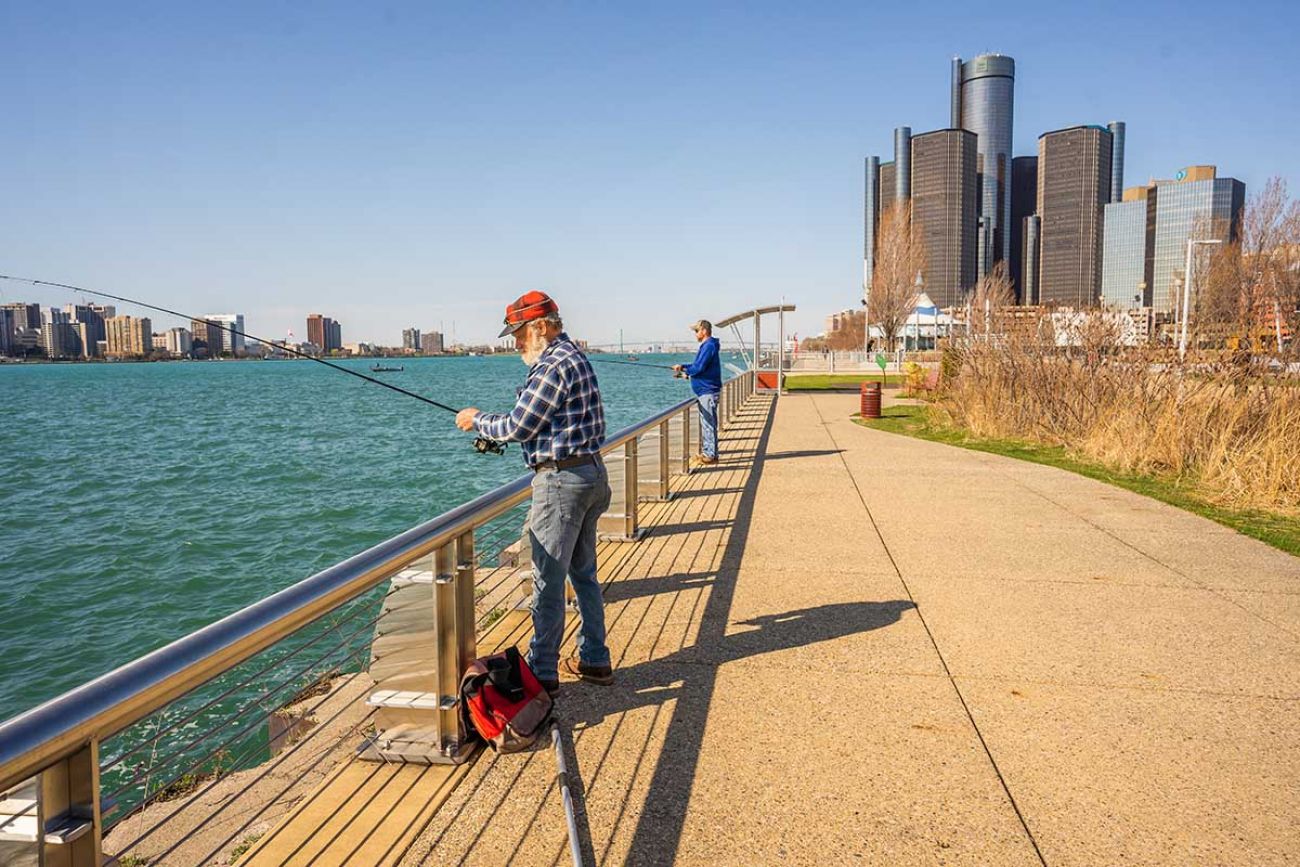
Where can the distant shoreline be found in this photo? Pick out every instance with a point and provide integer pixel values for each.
(6, 360)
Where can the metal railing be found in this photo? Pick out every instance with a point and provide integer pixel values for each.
(335, 660)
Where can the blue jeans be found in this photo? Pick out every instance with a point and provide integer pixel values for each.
(562, 529)
(708, 424)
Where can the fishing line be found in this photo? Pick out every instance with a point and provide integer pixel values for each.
(482, 445)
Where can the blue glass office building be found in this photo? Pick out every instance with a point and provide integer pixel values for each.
(1208, 208)
(1123, 258)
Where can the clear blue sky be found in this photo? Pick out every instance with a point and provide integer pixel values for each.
(410, 164)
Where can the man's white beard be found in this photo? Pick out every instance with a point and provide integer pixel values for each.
(534, 346)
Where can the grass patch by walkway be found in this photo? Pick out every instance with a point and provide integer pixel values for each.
(1280, 531)
(829, 381)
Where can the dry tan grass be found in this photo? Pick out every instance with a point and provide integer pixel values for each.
(1216, 423)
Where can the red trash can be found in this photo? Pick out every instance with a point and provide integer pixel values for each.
(871, 400)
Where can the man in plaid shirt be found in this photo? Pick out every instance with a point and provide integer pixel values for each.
(559, 422)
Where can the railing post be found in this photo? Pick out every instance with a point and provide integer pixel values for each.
(622, 526)
(686, 440)
(64, 811)
(665, 461)
(453, 630)
(430, 618)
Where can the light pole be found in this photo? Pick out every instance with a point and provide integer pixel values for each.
(1187, 293)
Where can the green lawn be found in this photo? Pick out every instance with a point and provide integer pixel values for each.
(1280, 531)
(828, 381)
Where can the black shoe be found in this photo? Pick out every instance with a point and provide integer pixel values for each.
(601, 674)
(551, 686)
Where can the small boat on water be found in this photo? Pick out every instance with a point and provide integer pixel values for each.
(379, 368)
(633, 358)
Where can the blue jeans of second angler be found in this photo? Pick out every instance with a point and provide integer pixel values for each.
(708, 424)
(562, 530)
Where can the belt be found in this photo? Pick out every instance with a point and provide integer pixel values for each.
(566, 463)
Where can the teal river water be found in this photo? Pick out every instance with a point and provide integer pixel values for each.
(139, 502)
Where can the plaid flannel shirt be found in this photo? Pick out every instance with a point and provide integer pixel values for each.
(559, 413)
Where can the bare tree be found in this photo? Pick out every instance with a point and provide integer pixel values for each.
(850, 334)
(992, 294)
(1251, 290)
(900, 257)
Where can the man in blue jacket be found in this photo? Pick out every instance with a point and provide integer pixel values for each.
(706, 381)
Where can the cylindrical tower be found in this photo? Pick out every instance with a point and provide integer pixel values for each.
(956, 94)
(1029, 279)
(1116, 128)
(870, 216)
(903, 163)
(987, 88)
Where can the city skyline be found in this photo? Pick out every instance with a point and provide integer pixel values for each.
(706, 158)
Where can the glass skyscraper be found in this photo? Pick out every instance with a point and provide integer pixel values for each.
(986, 102)
(1186, 209)
(1073, 184)
(1123, 258)
(943, 211)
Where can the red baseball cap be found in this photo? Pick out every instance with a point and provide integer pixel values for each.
(526, 308)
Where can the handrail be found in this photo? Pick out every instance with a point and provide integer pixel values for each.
(51, 731)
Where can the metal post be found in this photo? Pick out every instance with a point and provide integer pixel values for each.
(780, 347)
(623, 526)
(665, 461)
(686, 440)
(454, 641)
(630, 451)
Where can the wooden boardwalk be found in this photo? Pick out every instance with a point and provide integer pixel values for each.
(844, 646)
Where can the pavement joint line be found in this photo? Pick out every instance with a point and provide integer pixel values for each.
(994, 465)
(1128, 687)
(934, 643)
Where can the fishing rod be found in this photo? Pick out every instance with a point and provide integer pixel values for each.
(638, 364)
(482, 445)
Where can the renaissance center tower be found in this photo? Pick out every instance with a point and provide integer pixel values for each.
(982, 102)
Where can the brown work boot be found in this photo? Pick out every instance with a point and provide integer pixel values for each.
(601, 674)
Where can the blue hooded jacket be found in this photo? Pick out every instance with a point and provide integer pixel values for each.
(706, 370)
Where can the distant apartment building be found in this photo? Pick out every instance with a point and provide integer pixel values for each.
(324, 333)
(1074, 173)
(944, 195)
(231, 343)
(411, 339)
(842, 320)
(58, 336)
(128, 336)
(179, 342)
(431, 343)
(8, 331)
(205, 338)
(26, 316)
(88, 321)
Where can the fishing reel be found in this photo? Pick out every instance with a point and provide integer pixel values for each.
(485, 446)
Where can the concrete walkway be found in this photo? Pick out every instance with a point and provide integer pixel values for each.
(846, 646)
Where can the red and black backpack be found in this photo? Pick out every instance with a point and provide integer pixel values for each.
(503, 702)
